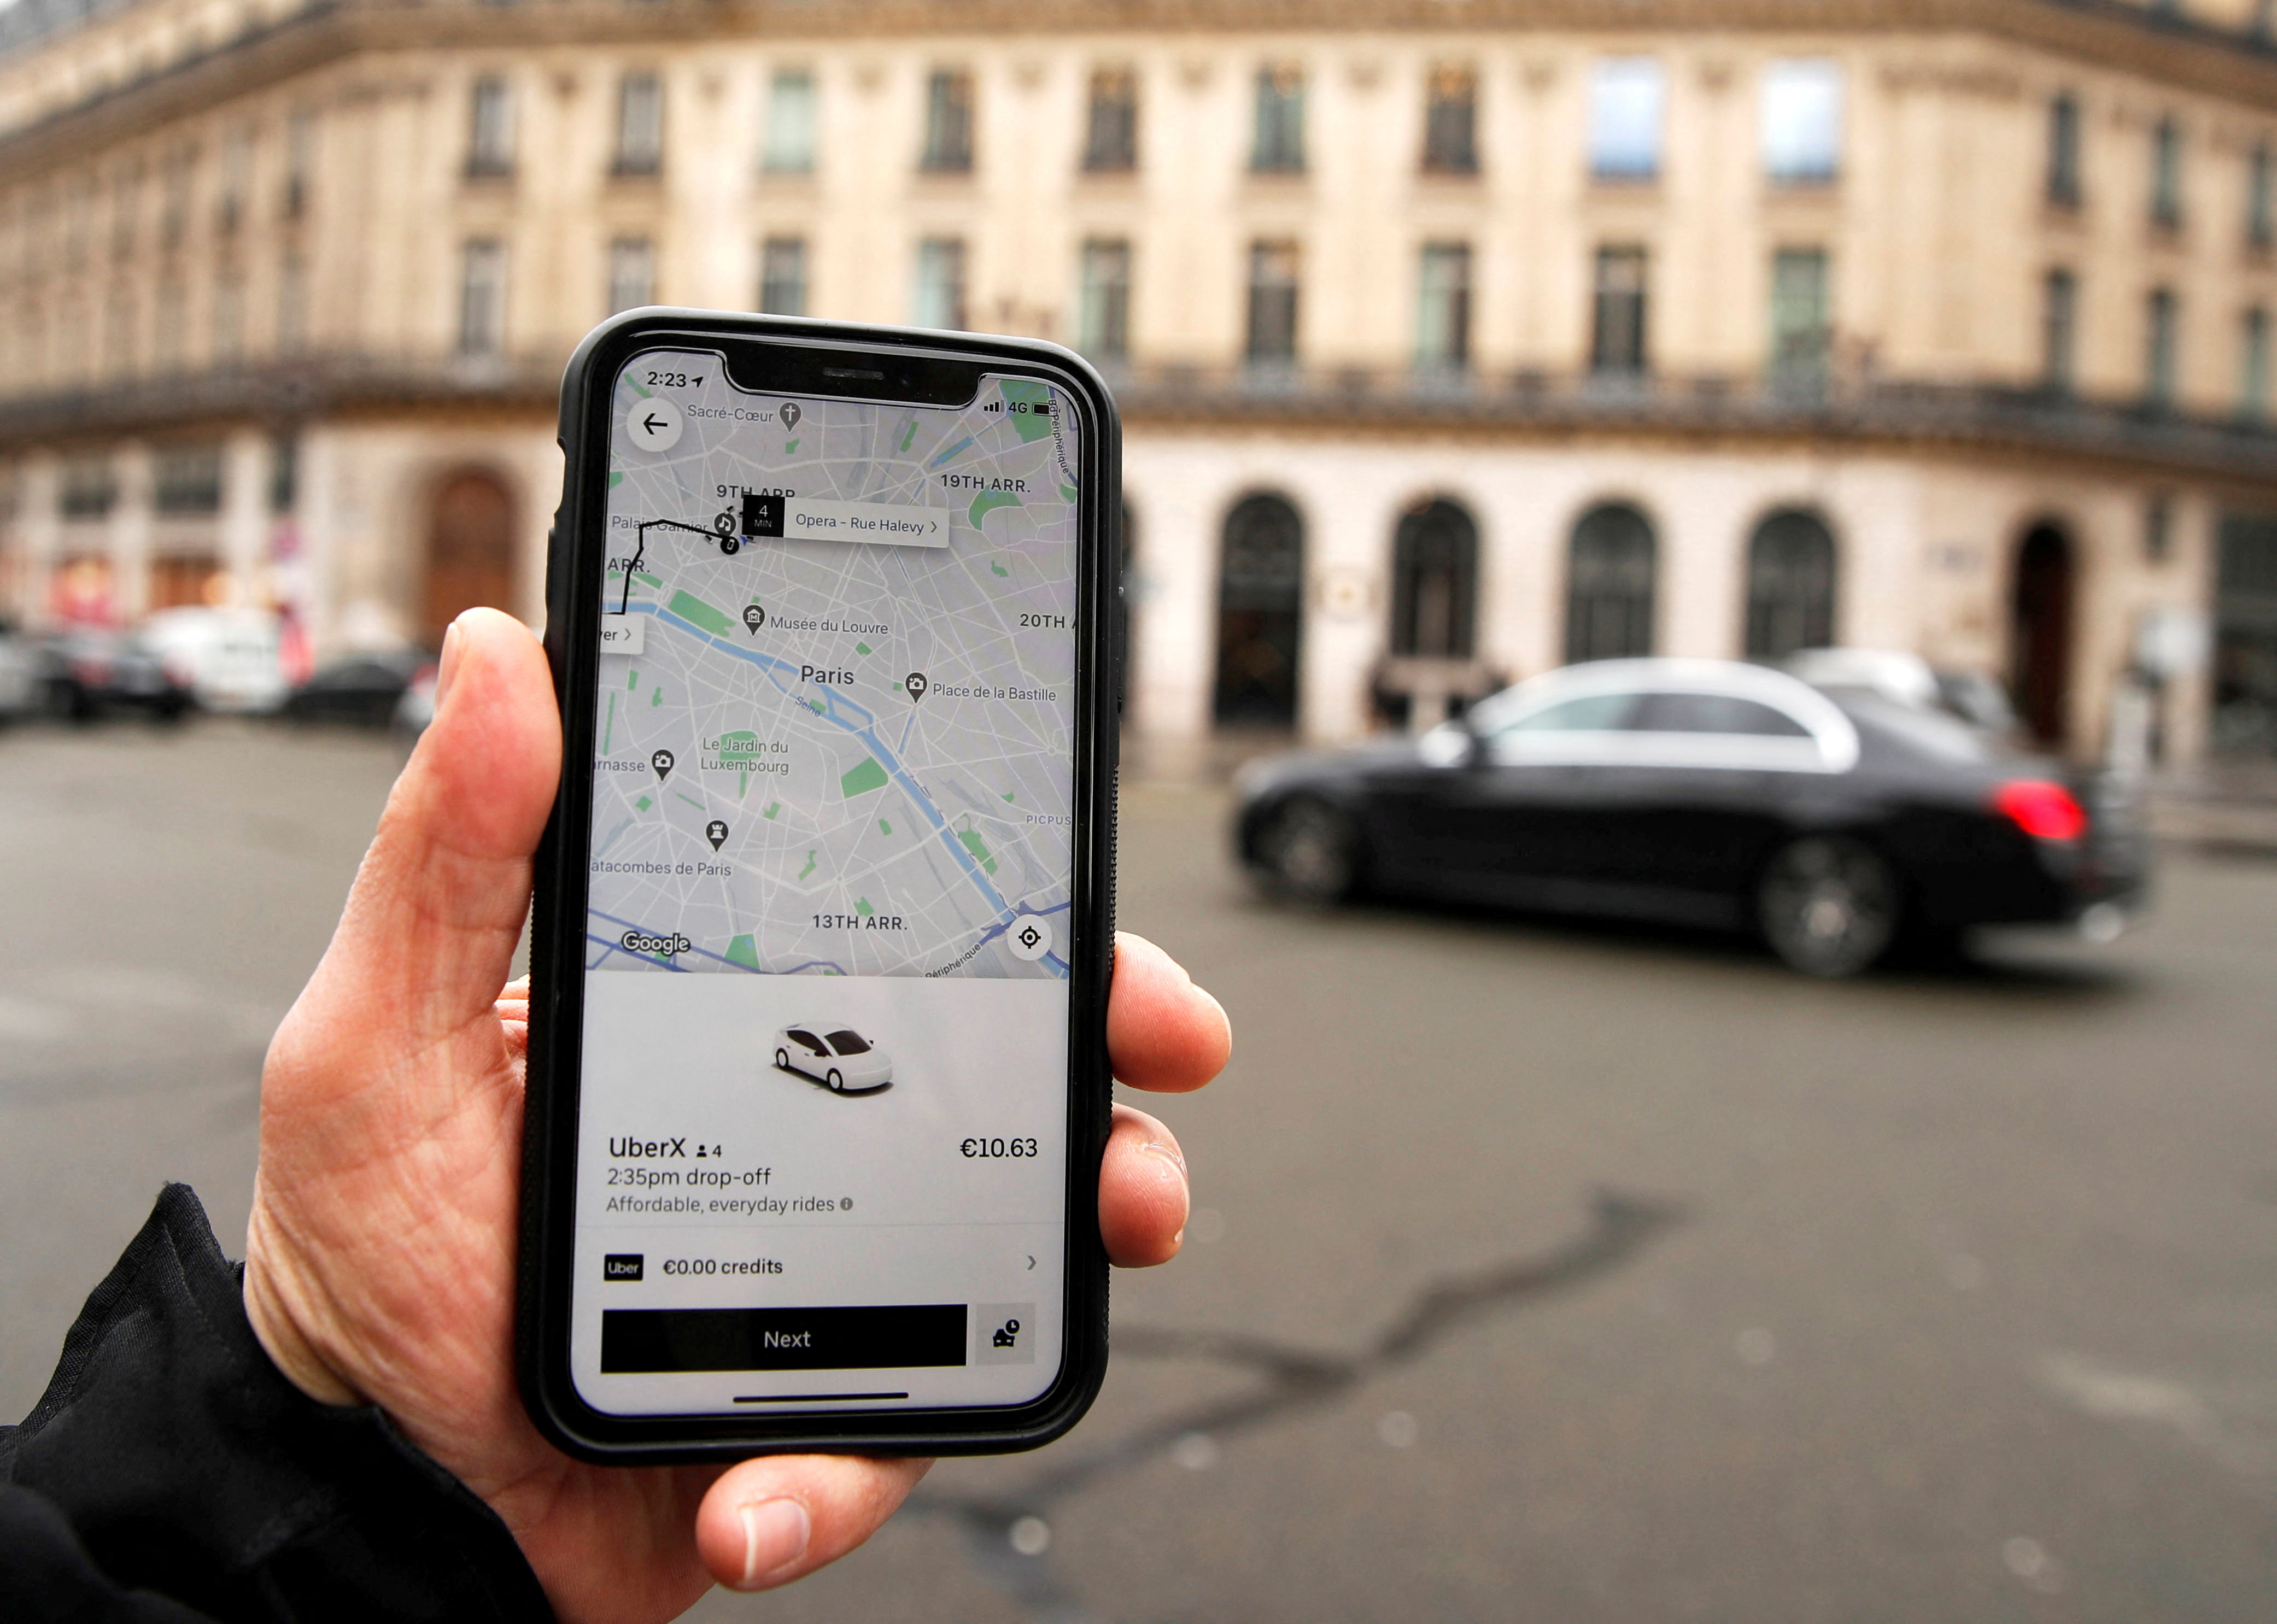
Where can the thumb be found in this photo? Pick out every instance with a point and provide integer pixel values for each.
(430, 925)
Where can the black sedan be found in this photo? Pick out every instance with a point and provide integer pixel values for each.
(361, 691)
(1839, 822)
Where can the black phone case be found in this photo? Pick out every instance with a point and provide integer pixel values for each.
(792, 349)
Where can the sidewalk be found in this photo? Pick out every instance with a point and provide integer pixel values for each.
(2218, 806)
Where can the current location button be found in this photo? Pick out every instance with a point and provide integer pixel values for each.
(1029, 938)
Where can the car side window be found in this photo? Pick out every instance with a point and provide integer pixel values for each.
(1717, 713)
(805, 1039)
(1592, 713)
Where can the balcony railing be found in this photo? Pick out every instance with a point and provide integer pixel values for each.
(1949, 416)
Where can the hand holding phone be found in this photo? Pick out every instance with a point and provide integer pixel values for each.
(379, 1258)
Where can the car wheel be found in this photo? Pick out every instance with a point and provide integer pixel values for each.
(782, 1059)
(836, 1081)
(1828, 905)
(1311, 850)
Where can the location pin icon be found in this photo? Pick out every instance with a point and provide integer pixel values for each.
(662, 762)
(915, 682)
(754, 616)
(790, 413)
(716, 832)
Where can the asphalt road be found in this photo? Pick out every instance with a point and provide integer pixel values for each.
(1538, 1272)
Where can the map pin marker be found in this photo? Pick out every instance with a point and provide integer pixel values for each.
(915, 682)
(754, 616)
(662, 762)
(716, 832)
(790, 414)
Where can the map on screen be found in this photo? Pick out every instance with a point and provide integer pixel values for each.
(834, 732)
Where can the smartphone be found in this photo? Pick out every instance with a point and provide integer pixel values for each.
(822, 927)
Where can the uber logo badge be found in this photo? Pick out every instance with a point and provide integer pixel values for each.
(621, 1266)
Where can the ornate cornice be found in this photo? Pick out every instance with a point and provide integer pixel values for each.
(2155, 46)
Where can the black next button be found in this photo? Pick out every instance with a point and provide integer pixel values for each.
(647, 1341)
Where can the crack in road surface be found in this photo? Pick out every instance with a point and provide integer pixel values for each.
(1005, 1535)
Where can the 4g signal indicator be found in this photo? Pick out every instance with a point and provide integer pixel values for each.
(1042, 408)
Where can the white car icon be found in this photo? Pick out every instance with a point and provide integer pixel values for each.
(839, 1057)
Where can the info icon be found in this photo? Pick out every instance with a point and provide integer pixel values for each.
(1029, 938)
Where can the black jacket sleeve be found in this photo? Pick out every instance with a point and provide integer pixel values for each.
(170, 1475)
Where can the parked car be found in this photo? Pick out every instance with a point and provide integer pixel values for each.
(87, 673)
(840, 1058)
(1908, 678)
(232, 657)
(22, 690)
(415, 712)
(363, 690)
(1838, 823)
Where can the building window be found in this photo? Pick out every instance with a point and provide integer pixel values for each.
(236, 178)
(940, 283)
(1790, 586)
(118, 332)
(2260, 197)
(2253, 366)
(948, 124)
(790, 148)
(177, 173)
(125, 207)
(1111, 133)
(299, 161)
(640, 124)
(1802, 121)
(186, 480)
(2162, 319)
(482, 298)
(783, 276)
(1443, 316)
(1103, 319)
(1801, 332)
(1435, 582)
(2063, 151)
(173, 317)
(292, 304)
(2166, 175)
(2058, 331)
(228, 315)
(1450, 123)
(89, 488)
(1610, 567)
(632, 273)
(1272, 272)
(489, 127)
(1278, 148)
(1627, 95)
(1260, 601)
(1616, 339)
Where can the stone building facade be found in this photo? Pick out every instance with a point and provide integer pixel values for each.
(1458, 338)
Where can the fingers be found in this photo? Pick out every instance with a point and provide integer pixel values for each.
(1142, 1191)
(440, 898)
(1164, 1034)
(770, 1520)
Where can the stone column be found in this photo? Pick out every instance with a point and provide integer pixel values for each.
(38, 527)
(129, 531)
(245, 475)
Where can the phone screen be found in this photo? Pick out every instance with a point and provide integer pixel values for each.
(823, 1129)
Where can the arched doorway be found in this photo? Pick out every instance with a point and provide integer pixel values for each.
(470, 551)
(1608, 585)
(1260, 592)
(1790, 586)
(1435, 582)
(2040, 627)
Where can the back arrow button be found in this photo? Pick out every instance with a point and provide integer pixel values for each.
(653, 425)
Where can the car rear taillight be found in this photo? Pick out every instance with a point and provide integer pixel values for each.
(2043, 810)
